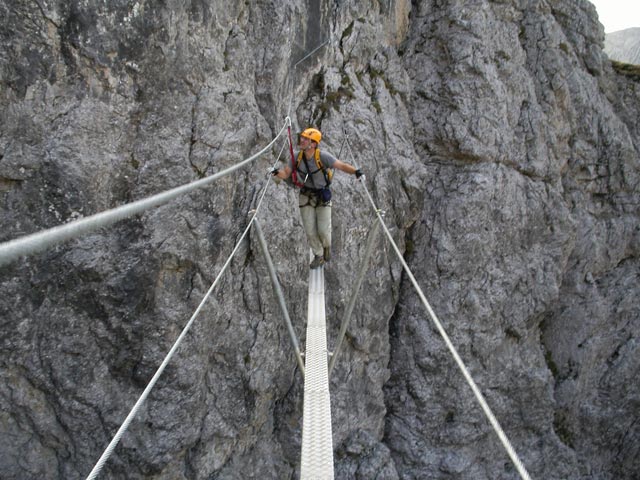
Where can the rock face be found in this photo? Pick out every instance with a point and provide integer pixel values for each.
(496, 136)
(624, 46)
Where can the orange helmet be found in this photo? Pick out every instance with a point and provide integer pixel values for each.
(312, 134)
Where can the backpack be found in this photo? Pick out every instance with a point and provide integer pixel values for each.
(326, 171)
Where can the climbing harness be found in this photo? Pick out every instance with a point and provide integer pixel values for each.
(327, 172)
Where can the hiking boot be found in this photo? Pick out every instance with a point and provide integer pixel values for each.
(318, 261)
(327, 254)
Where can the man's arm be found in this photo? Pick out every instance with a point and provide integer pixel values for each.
(347, 168)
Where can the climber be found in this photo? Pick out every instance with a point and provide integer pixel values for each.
(311, 171)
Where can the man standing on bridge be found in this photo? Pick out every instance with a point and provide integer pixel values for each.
(311, 171)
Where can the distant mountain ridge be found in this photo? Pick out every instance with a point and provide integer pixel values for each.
(624, 45)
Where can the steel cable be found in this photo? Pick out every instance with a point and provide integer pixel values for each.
(116, 439)
(465, 372)
(42, 240)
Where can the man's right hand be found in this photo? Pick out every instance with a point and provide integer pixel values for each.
(274, 171)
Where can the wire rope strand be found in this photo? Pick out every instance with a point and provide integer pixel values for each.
(116, 439)
(295, 67)
(465, 372)
(42, 240)
(371, 239)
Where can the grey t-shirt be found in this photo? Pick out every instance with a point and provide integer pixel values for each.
(314, 178)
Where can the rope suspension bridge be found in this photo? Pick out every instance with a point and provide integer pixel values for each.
(315, 363)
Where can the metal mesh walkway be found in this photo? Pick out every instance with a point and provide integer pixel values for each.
(317, 446)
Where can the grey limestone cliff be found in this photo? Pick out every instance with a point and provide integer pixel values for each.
(496, 136)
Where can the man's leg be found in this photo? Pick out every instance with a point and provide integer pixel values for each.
(309, 222)
(324, 229)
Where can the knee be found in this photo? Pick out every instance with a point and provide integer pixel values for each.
(325, 238)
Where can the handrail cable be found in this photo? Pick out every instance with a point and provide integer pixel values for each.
(295, 66)
(279, 295)
(465, 372)
(371, 238)
(107, 453)
(42, 240)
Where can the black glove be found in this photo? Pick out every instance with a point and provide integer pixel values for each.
(274, 171)
(358, 173)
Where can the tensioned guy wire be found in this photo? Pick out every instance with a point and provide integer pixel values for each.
(465, 372)
(114, 442)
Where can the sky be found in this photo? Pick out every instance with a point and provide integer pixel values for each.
(618, 14)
